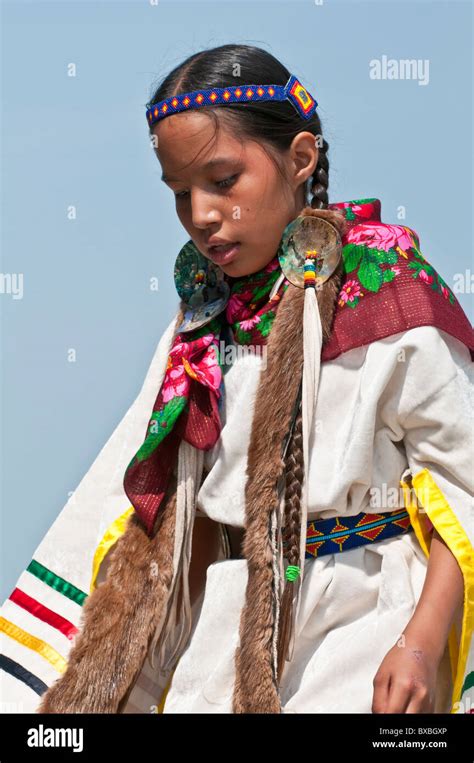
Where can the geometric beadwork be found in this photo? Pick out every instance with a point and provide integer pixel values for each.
(330, 536)
(293, 91)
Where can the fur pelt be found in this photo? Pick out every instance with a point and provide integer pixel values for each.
(118, 621)
(255, 689)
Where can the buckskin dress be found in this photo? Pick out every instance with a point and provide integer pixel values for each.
(388, 408)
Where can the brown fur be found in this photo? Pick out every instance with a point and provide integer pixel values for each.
(294, 474)
(119, 618)
(256, 689)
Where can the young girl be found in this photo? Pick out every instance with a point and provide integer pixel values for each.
(294, 532)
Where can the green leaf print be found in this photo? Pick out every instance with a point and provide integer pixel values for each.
(352, 256)
(243, 337)
(349, 213)
(368, 260)
(370, 276)
(388, 275)
(354, 303)
(265, 323)
(160, 424)
(442, 282)
(390, 257)
(419, 266)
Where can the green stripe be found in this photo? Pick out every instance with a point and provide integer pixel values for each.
(468, 682)
(59, 584)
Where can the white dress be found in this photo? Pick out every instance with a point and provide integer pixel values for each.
(401, 403)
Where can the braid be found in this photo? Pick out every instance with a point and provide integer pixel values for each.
(294, 473)
(319, 186)
(294, 461)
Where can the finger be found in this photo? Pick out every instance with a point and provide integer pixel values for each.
(420, 701)
(399, 696)
(381, 684)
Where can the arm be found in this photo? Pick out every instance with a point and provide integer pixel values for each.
(406, 679)
(440, 599)
(435, 419)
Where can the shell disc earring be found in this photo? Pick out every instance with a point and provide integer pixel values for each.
(308, 236)
(201, 285)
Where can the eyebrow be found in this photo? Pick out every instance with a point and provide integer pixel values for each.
(208, 165)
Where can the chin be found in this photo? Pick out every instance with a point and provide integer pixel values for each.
(235, 269)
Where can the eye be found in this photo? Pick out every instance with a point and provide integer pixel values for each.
(225, 183)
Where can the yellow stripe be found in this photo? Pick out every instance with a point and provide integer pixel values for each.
(444, 519)
(111, 536)
(36, 644)
(165, 691)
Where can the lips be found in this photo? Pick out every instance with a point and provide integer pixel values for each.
(221, 247)
(223, 253)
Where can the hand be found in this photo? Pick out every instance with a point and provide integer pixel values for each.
(406, 679)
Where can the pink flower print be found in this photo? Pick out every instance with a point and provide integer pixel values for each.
(186, 361)
(233, 304)
(349, 292)
(395, 270)
(425, 277)
(237, 307)
(248, 325)
(444, 291)
(207, 371)
(380, 236)
(175, 383)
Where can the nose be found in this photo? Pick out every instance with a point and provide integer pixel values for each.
(204, 210)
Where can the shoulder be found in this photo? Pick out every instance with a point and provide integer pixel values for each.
(405, 370)
(376, 254)
(389, 287)
(423, 356)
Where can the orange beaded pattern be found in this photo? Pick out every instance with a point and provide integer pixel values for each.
(293, 91)
(310, 268)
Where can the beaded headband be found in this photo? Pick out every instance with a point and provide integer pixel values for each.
(293, 91)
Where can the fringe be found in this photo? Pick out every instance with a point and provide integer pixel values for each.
(172, 637)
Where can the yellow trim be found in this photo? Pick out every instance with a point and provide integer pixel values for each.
(111, 536)
(36, 644)
(166, 689)
(443, 518)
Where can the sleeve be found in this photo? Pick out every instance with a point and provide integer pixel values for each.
(42, 616)
(438, 483)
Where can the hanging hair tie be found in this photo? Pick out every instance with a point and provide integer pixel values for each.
(292, 572)
(310, 268)
(310, 252)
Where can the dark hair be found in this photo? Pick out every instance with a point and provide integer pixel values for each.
(274, 123)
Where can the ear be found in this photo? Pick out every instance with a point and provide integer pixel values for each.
(304, 156)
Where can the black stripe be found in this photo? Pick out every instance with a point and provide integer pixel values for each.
(18, 671)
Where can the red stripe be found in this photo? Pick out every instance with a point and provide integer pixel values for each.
(44, 613)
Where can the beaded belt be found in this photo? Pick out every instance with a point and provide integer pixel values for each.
(329, 536)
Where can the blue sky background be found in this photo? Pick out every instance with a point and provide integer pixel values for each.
(83, 141)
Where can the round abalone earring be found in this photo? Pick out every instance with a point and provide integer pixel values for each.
(201, 285)
(309, 237)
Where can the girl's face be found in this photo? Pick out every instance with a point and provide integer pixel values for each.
(231, 191)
